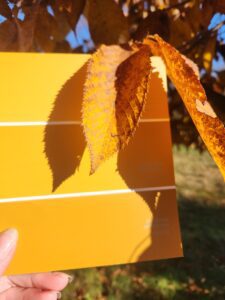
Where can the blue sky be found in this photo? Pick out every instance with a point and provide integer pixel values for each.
(219, 64)
(81, 34)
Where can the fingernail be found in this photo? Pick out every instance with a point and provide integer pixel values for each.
(59, 295)
(70, 278)
(8, 239)
(64, 275)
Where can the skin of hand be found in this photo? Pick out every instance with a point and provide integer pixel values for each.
(39, 286)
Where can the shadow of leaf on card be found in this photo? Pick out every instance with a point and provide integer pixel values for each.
(64, 139)
(141, 164)
(137, 169)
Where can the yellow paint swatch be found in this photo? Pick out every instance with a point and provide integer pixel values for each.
(126, 212)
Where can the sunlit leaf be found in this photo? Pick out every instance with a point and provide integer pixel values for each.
(205, 108)
(115, 94)
(210, 127)
(192, 65)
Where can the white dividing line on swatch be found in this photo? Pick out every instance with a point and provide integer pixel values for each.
(38, 123)
(87, 194)
(53, 123)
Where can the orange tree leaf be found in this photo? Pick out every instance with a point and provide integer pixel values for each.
(26, 28)
(209, 53)
(45, 30)
(156, 22)
(132, 78)
(219, 6)
(115, 92)
(72, 10)
(193, 94)
(5, 11)
(107, 23)
(192, 65)
(8, 36)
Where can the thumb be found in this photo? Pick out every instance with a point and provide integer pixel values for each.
(8, 241)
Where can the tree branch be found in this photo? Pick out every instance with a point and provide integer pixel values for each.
(177, 5)
(188, 46)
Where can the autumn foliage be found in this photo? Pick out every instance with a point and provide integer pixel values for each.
(116, 90)
(117, 81)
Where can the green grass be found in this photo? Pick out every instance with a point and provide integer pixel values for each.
(200, 274)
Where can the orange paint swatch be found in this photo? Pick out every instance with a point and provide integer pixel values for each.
(124, 213)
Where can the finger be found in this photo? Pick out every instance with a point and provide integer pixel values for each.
(48, 281)
(17, 293)
(8, 240)
(4, 283)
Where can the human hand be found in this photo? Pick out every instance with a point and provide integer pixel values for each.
(39, 286)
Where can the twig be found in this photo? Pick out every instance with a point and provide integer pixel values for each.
(188, 46)
(177, 5)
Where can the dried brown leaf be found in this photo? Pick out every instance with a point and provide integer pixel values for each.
(46, 30)
(72, 10)
(219, 6)
(156, 22)
(209, 53)
(26, 28)
(8, 36)
(192, 93)
(206, 108)
(132, 78)
(192, 65)
(107, 23)
(114, 98)
(5, 11)
(99, 117)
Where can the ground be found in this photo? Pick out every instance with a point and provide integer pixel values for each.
(200, 274)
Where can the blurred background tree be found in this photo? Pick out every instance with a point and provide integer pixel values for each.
(197, 29)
